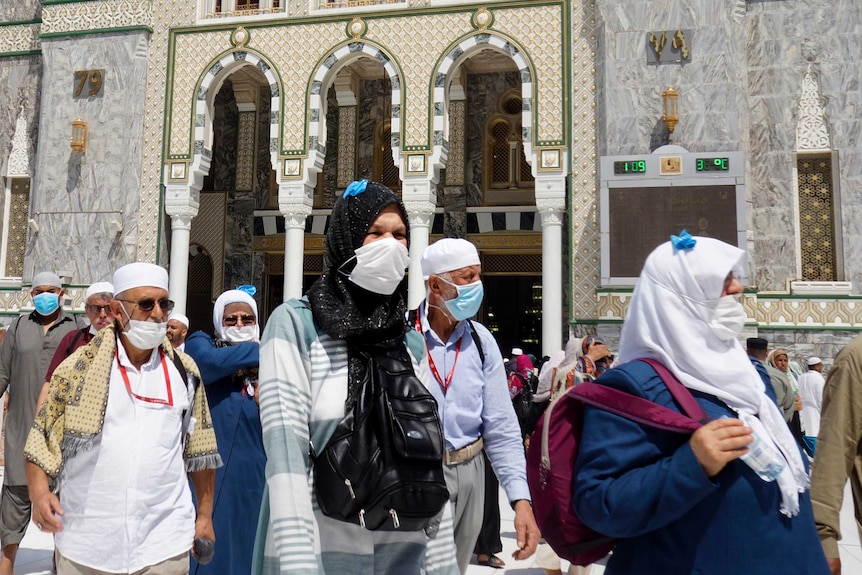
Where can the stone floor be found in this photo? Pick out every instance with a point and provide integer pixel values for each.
(34, 557)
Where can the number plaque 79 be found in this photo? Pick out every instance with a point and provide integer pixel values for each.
(90, 80)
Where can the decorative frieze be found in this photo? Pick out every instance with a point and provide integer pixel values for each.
(18, 39)
(59, 19)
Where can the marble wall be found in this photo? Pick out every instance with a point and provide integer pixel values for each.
(20, 94)
(13, 10)
(741, 91)
(76, 198)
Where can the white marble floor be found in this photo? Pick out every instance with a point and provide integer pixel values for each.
(34, 557)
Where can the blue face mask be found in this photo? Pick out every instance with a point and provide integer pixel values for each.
(467, 302)
(46, 303)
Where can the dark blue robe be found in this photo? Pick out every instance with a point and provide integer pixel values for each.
(240, 481)
(644, 487)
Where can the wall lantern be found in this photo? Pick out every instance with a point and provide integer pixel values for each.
(79, 136)
(670, 103)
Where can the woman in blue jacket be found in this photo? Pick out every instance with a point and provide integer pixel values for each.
(228, 363)
(690, 505)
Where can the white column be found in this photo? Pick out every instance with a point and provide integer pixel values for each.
(421, 216)
(294, 248)
(181, 225)
(552, 279)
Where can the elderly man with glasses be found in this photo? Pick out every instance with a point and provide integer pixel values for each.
(229, 366)
(125, 422)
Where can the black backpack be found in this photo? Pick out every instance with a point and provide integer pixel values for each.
(383, 466)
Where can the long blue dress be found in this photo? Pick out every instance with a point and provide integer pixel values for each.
(239, 483)
(644, 487)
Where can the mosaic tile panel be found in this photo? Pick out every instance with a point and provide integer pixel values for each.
(18, 214)
(346, 146)
(100, 15)
(584, 231)
(245, 151)
(19, 38)
(455, 163)
(166, 14)
(208, 232)
(539, 31)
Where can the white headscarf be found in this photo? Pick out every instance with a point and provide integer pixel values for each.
(543, 390)
(227, 298)
(669, 320)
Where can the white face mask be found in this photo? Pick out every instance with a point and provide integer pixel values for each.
(240, 333)
(145, 334)
(380, 266)
(729, 318)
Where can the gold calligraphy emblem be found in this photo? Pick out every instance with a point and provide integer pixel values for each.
(658, 43)
(678, 43)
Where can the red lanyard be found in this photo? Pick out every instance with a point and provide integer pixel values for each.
(444, 385)
(169, 402)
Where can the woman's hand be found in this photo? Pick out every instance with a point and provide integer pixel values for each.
(719, 442)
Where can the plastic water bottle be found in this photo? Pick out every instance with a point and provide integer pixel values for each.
(763, 459)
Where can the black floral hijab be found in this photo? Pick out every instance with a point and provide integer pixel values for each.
(370, 323)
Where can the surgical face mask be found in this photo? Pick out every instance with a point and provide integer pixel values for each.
(241, 333)
(466, 304)
(46, 303)
(729, 318)
(380, 266)
(145, 334)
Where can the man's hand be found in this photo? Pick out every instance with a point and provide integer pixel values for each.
(203, 529)
(526, 531)
(719, 442)
(598, 351)
(834, 565)
(45, 506)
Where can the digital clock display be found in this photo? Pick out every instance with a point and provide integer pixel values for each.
(712, 164)
(630, 167)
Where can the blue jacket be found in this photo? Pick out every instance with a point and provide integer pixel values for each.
(645, 487)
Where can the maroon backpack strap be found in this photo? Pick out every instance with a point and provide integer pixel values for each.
(633, 408)
(679, 392)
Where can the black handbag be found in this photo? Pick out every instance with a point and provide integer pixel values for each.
(383, 466)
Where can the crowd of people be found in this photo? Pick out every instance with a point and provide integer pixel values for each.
(354, 435)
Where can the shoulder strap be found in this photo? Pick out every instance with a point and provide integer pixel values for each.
(187, 413)
(634, 408)
(71, 348)
(679, 392)
(477, 341)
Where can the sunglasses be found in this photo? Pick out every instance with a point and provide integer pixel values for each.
(149, 304)
(234, 319)
(97, 309)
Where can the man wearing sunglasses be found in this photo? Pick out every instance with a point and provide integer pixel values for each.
(24, 355)
(125, 422)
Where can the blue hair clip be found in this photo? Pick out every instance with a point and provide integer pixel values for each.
(355, 188)
(683, 241)
(248, 288)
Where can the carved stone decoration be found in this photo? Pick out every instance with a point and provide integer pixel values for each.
(19, 159)
(812, 133)
(294, 215)
(420, 214)
(739, 10)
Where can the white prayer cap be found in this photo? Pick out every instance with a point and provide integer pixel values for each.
(47, 279)
(99, 287)
(140, 274)
(516, 351)
(448, 254)
(180, 318)
(814, 360)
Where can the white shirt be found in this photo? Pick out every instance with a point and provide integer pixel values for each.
(811, 385)
(127, 501)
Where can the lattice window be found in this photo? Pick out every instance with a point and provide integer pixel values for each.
(816, 217)
(500, 154)
(506, 165)
(17, 222)
(520, 264)
(385, 171)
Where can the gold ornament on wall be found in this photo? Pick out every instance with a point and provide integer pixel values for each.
(357, 28)
(482, 19)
